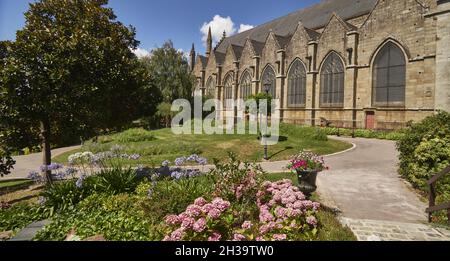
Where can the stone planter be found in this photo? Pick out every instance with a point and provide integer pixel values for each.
(307, 181)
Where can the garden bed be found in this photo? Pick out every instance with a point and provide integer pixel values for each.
(229, 203)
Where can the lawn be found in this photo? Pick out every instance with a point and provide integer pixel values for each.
(13, 183)
(160, 145)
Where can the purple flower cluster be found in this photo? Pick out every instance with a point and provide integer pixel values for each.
(35, 177)
(193, 158)
(196, 219)
(80, 181)
(188, 173)
(165, 163)
(51, 167)
(180, 161)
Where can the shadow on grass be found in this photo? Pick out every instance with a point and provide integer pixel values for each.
(281, 151)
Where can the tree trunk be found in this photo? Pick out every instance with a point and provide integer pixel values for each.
(46, 150)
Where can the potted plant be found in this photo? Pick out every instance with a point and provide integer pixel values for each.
(307, 165)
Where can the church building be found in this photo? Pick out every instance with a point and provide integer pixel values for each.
(374, 64)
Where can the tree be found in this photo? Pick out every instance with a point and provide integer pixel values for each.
(164, 111)
(71, 68)
(6, 163)
(171, 73)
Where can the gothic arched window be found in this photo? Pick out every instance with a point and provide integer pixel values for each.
(228, 88)
(269, 81)
(297, 84)
(389, 76)
(245, 86)
(332, 82)
(210, 87)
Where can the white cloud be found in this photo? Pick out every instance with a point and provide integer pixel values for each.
(220, 24)
(140, 53)
(245, 27)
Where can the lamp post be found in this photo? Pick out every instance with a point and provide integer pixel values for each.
(266, 154)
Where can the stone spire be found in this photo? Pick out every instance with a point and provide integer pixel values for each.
(192, 56)
(209, 43)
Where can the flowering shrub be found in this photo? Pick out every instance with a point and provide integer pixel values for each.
(58, 173)
(285, 214)
(202, 221)
(179, 172)
(237, 182)
(307, 161)
(86, 162)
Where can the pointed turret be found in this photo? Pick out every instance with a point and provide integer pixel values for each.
(192, 57)
(209, 43)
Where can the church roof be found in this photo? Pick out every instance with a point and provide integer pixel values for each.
(203, 60)
(314, 17)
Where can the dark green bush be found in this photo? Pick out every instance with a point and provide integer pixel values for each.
(117, 218)
(168, 196)
(320, 135)
(116, 181)
(66, 194)
(20, 216)
(361, 133)
(6, 163)
(425, 150)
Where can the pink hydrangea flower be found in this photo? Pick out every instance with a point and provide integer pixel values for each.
(264, 229)
(207, 208)
(279, 237)
(311, 220)
(172, 220)
(247, 225)
(214, 213)
(200, 202)
(215, 237)
(221, 204)
(187, 222)
(200, 225)
(316, 206)
(194, 211)
(266, 217)
(238, 237)
(177, 235)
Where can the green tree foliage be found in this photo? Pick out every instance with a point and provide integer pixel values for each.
(70, 71)
(164, 111)
(171, 73)
(6, 163)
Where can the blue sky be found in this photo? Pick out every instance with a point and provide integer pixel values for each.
(178, 20)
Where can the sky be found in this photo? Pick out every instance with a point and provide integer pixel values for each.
(182, 21)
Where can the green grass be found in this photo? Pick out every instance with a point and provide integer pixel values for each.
(14, 183)
(332, 229)
(159, 145)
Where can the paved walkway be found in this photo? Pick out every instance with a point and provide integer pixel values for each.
(364, 184)
(27, 163)
(376, 230)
